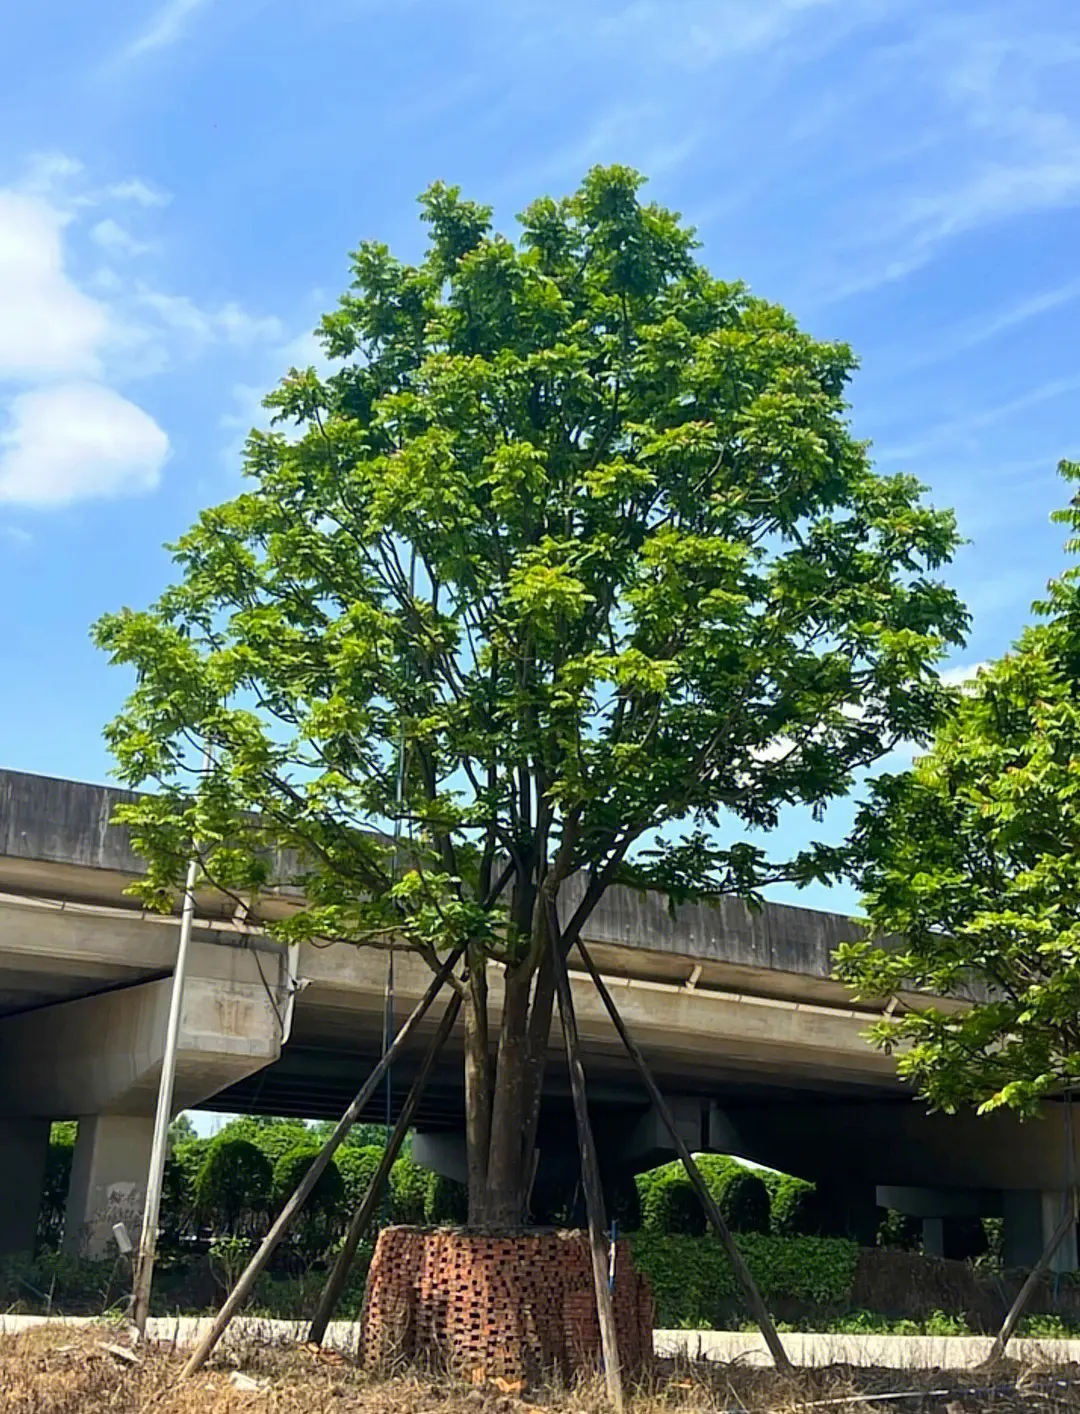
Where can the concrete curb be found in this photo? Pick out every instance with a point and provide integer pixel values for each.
(888, 1352)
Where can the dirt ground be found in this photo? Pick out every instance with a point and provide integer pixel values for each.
(94, 1371)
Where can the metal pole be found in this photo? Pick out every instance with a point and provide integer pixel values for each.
(144, 1268)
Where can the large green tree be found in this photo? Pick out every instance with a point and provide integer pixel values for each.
(574, 545)
(971, 864)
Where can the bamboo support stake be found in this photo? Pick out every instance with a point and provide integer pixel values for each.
(742, 1272)
(361, 1219)
(1016, 1310)
(250, 1275)
(590, 1175)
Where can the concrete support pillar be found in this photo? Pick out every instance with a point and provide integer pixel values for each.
(24, 1148)
(933, 1236)
(108, 1182)
(1030, 1219)
(1053, 1209)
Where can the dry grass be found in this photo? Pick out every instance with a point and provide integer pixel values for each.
(64, 1371)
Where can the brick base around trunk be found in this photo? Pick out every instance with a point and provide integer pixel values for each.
(515, 1307)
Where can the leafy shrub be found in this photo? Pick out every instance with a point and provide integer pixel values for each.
(408, 1192)
(328, 1195)
(899, 1230)
(739, 1192)
(794, 1206)
(54, 1191)
(694, 1285)
(228, 1258)
(669, 1206)
(446, 1202)
(275, 1137)
(54, 1280)
(357, 1165)
(233, 1185)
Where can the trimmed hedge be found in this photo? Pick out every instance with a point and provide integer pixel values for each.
(670, 1207)
(328, 1195)
(693, 1283)
(233, 1184)
(408, 1192)
(357, 1166)
(446, 1203)
(740, 1192)
(794, 1209)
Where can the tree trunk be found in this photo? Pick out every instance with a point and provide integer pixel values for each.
(477, 1087)
(504, 1193)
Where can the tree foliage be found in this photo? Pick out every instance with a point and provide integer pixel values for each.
(572, 546)
(233, 1186)
(972, 873)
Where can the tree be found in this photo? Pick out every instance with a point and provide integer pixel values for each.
(573, 547)
(181, 1131)
(972, 877)
(233, 1186)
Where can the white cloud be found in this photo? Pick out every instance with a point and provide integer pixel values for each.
(78, 441)
(165, 27)
(962, 675)
(138, 191)
(45, 172)
(15, 535)
(48, 325)
(112, 237)
(230, 323)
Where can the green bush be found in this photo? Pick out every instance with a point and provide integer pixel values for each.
(739, 1192)
(233, 1185)
(694, 1285)
(794, 1210)
(899, 1230)
(446, 1203)
(275, 1137)
(54, 1191)
(669, 1206)
(328, 1195)
(408, 1192)
(357, 1166)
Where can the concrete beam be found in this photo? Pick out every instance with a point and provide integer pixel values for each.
(103, 1053)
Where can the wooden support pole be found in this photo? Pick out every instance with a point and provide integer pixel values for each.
(590, 1176)
(743, 1275)
(361, 1219)
(1016, 1310)
(251, 1272)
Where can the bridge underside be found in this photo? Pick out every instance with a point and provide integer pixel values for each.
(759, 1050)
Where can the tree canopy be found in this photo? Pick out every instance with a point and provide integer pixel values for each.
(972, 871)
(573, 546)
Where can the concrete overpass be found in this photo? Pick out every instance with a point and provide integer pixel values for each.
(759, 1047)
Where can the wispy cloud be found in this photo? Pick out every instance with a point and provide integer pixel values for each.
(165, 26)
(959, 430)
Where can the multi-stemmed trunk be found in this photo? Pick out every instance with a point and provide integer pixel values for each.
(503, 1084)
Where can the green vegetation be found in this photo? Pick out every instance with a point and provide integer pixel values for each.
(573, 544)
(970, 858)
(233, 1185)
(694, 1285)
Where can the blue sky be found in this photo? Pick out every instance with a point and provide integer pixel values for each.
(180, 183)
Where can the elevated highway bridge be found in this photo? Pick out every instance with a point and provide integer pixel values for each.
(759, 1048)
